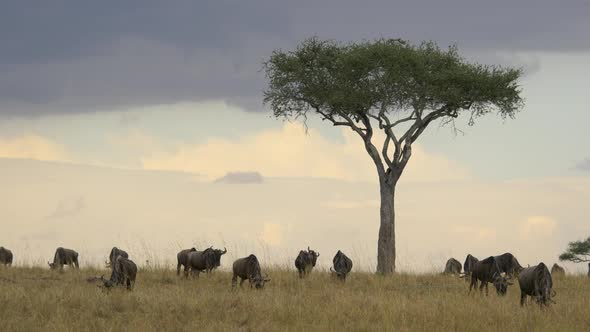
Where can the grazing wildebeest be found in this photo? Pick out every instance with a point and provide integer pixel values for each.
(248, 268)
(5, 257)
(116, 252)
(536, 281)
(342, 265)
(557, 270)
(508, 264)
(64, 257)
(468, 265)
(305, 261)
(182, 258)
(123, 273)
(206, 260)
(453, 266)
(485, 271)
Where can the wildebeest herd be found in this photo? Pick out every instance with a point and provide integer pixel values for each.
(534, 281)
(124, 270)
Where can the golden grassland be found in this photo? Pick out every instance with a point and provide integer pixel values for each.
(38, 299)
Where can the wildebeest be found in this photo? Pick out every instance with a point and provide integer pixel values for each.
(248, 268)
(342, 265)
(206, 260)
(536, 281)
(508, 264)
(453, 266)
(123, 273)
(116, 252)
(64, 257)
(468, 265)
(306, 261)
(5, 257)
(182, 258)
(485, 271)
(557, 270)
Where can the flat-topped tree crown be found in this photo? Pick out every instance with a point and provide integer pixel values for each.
(390, 85)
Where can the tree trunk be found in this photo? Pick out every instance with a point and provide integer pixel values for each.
(386, 242)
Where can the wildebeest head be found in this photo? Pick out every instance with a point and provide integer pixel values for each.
(52, 265)
(501, 283)
(313, 255)
(259, 281)
(217, 254)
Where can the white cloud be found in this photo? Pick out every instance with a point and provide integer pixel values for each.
(538, 227)
(290, 152)
(31, 147)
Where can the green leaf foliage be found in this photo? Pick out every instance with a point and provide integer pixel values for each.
(386, 74)
(577, 252)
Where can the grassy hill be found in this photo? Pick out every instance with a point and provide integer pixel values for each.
(38, 299)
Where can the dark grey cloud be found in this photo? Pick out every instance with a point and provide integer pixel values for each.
(73, 56)
(583, 165)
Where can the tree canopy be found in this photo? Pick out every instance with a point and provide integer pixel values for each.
(389, 81)
(577, 252)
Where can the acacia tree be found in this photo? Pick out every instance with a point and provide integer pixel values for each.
(577, 252)
(389, 85)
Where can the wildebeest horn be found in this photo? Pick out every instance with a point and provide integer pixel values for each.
(553, 293)
(317, 254)
(331, 270)
(224, 251)
(308, 248)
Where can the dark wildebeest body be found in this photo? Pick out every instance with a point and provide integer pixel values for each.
(306, 261)
(486, 271)
(64, 257)
(248, 268)
(182, 258)
(5, 257)
(342, 265)
(123, 273)
(206, 260)
(557, 270)
(116, 252)
(536, 281)
(453, 266)
(508, 264)
(468, 265)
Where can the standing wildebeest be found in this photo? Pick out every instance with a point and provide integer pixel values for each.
(64, 257)
(124, 273)
(486, 271)
(248, 268)
(116, 252)
(182, 258)
(305, 261)
(536, 281)
(206, 260)
(557, 270)
(453, 266)
(508, 264)
(5, 257)
(468, 265)
(342, 265)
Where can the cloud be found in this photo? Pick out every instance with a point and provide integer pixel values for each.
(241, 178)
(272, 234)
(538, 227)
(290, 152)
(583, 165)
(474, 232)
(31, 147)
(73, 57)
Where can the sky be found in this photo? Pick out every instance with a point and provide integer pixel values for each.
(171, 93)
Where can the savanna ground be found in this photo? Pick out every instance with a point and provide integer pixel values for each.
(38, 299)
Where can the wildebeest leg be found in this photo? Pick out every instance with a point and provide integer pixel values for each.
(472, 284)
(242, 281)
(178, 269)
(76, 263)
(128, 283)
(482, 285)
(522, 298)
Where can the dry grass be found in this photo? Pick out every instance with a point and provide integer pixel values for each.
(38, 299)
